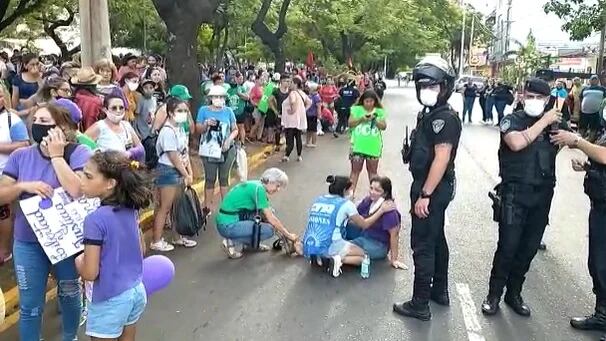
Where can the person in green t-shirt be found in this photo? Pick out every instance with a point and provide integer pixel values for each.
(237, 98)
(366, 122)
(236, 217)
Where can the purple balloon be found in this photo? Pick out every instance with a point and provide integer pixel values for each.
(158, 272)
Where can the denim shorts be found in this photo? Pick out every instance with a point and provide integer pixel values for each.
(107, 319)
(339, 247)
(373, 248)
(167, 176)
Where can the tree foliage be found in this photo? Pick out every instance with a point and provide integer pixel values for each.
(527, 61)
(581, 17)
(12, 10)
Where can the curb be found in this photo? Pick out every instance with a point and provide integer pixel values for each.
(11, 297)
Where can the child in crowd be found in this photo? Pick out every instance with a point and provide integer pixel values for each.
(113, 257)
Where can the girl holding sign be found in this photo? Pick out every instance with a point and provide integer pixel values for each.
(53, 161)
(113, 257)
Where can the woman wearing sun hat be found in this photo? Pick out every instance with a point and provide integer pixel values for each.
(85, 95)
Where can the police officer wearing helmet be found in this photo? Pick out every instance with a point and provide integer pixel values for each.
(431, 156)
(595, 188)
(527, 171)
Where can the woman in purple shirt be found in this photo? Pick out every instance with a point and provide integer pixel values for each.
(53, 161)
(113, 251)
(383, 236)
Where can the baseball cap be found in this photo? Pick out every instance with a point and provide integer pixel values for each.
(180, 91)
(594, 77)
(538, 86)
(74, 111)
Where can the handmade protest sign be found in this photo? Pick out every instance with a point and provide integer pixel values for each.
(58, 222)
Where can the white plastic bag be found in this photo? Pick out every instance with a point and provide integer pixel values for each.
(242, 164)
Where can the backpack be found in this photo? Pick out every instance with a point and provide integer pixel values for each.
(151, 154)
(186, 215)
(321, 225)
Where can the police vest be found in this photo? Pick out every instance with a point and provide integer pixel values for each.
(533, 165)
(422, 149)
(321, 224)
(595, 178)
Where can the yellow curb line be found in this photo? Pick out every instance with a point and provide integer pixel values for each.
(11, 297)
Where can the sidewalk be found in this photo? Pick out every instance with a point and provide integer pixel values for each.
(256, 158)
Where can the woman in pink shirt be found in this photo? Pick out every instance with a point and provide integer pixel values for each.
(294, 118)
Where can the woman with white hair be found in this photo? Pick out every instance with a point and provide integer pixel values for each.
(245, 217)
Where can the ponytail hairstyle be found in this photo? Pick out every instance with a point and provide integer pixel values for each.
(133, 184)
(338, 185)
(385, 184)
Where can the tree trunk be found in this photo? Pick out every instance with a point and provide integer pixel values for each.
(181, 61)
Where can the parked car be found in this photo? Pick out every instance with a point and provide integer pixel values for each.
(478, 81)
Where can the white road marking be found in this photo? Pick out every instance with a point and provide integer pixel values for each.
(472, 324)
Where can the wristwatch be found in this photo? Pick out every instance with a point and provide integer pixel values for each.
(425, 195)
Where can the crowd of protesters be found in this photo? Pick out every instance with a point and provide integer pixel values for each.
(88, 129)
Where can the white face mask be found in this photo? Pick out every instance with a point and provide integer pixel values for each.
(218, 102)
(428, 97)
(115, 118)
(132, 86)
(181, 116)
(534, 107)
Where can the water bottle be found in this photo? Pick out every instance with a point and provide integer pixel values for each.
(365, 268)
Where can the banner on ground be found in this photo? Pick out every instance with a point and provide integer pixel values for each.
(58, 222)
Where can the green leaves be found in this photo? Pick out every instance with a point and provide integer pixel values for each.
(581, 19)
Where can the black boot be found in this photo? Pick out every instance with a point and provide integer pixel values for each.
(516, 302)
(597, 321)
(490, 306)
(413, 308)
(440, 296)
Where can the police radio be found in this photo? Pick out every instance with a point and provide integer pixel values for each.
(406, 149)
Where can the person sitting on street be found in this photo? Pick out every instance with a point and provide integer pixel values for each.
(383, 236)
(245, 217)
(322, 241)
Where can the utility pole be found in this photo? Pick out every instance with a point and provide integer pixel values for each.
(94, 31)
(462, 56)
(473, 21)
(599, 64)
(508, 29)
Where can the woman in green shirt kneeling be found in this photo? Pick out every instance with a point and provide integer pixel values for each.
(245, 217)
(366, 123)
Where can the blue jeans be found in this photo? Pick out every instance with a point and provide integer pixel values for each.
(32, 268)
(488, 108)
(500, 106)
(372, 247)
(241, 231)
(468, 107)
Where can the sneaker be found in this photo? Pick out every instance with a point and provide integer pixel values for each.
(311, 145)
(187, 243)
(285, 159)
(320, 133)
(162, 246)
(334, 267)
(299, 159)
(230, 249)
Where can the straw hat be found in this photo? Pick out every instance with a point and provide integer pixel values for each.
(86, 76)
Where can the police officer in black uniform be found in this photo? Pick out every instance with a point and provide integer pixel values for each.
(431, 156)
(595, 188)
(527, 170)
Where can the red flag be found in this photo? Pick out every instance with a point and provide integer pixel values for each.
(310, 59)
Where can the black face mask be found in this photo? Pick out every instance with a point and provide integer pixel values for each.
(39, 131)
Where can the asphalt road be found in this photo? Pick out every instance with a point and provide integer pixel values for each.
(273, 297)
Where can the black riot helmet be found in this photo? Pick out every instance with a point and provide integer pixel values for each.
(434, 70)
